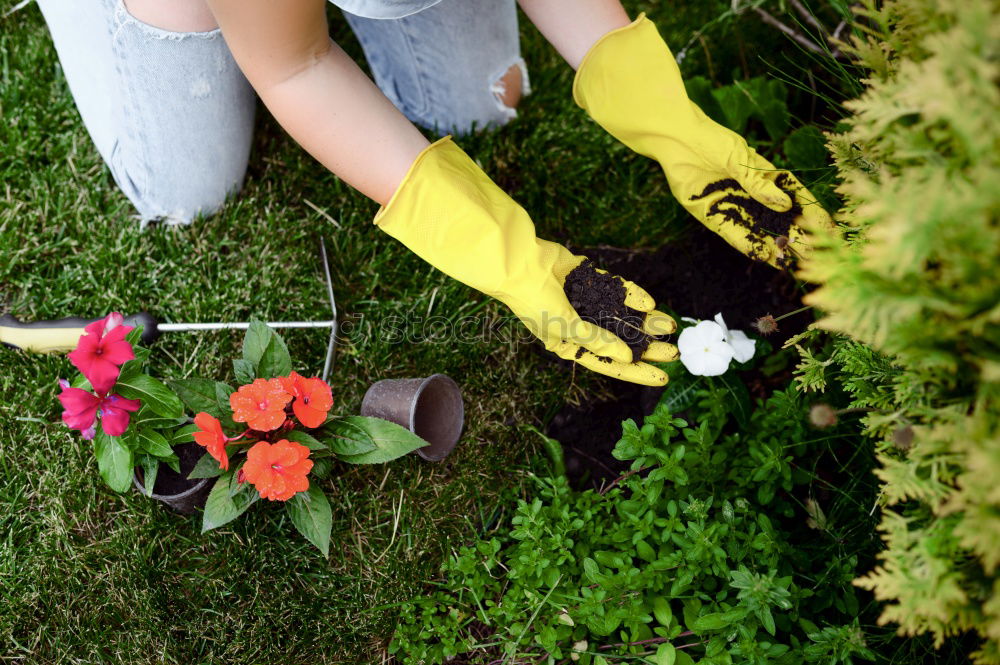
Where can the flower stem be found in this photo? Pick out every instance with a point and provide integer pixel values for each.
(793, 313)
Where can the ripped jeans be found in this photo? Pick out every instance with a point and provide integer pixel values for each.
(172, 115)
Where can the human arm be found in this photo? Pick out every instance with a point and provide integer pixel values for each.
(318, 94)
(435, 199)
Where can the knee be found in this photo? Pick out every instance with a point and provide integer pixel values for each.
(507, 89)
(175, 16)
(178, 191)
(491, 102)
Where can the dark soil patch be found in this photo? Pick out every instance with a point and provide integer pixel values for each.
(168, 481)
(600, 298)
(760, 221)
(698, 275)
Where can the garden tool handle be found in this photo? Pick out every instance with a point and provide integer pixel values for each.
(62, 335)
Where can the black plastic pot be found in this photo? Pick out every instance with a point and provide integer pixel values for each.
(431, 408)
(190, 499)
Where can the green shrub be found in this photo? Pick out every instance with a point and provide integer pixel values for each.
(915, 293)
(714, 548)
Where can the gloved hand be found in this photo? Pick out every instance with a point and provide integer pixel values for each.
(630, 84)
(453, 216)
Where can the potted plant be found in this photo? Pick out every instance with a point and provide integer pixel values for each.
(198, 439)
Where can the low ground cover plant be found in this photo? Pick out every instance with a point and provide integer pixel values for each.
(722, 544)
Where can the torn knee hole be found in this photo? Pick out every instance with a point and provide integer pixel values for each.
(508, 88)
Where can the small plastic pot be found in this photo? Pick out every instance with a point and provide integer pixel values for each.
(185, 502)
(431, 408)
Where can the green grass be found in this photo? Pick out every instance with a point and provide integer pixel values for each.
(87, 576)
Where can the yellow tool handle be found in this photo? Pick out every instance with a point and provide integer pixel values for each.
(41, 340)
(61, 335)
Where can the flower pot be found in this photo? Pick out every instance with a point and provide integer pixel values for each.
(183, 495)
(431, 408)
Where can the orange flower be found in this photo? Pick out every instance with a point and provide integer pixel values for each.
(278, 470)
(313, 398)
(261, 405)
(212, 437)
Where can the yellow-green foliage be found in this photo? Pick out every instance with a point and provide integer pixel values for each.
(915, 295)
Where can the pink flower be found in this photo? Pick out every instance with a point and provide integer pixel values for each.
(101, 351)
(83, 408)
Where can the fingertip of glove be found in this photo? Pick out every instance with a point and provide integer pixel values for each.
(657, 323)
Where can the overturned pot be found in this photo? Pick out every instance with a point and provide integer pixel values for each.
(431, 408)
(175, 489)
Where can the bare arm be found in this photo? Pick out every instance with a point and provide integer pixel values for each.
(318, 94)
(573, 26)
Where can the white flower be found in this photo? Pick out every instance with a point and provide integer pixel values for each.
(704, 350)
(743, 346)
(708, 347)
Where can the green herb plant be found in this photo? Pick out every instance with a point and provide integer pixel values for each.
(704, 551)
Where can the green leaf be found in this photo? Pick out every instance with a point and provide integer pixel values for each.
(153, 393)
(266, 351)
(321, 468)
(739, 402)
(386, 440)
(150, 468)
(276, 360)
(134, 336)
(173, 462)
(220, 508)
(666, 654)
(712, 621)
(306, 440)
(662, 612)
(114, 460)
(766, 619)
(244, 371)
(222, 393)
(207, 467)
(684, 659)
(198, 395)
(183, 435)
(774, 113)
(805, 149)
(147, 418)
(153, 443)
(311, 515)
(255, 342)
(349, 443)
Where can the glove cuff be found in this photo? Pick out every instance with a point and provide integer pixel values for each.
(452, 215)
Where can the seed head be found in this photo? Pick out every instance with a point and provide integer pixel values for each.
(902, 438)
(766, 325)
(822, 416)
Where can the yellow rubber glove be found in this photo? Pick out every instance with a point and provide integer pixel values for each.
(453, 216)
(630, 84)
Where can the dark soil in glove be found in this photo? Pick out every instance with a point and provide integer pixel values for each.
(600, 298)
(742, 209)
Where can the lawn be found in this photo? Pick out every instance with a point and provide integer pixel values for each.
(90, 576)
(87, 576)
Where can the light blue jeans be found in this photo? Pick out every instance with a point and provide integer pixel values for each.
(172, 115)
